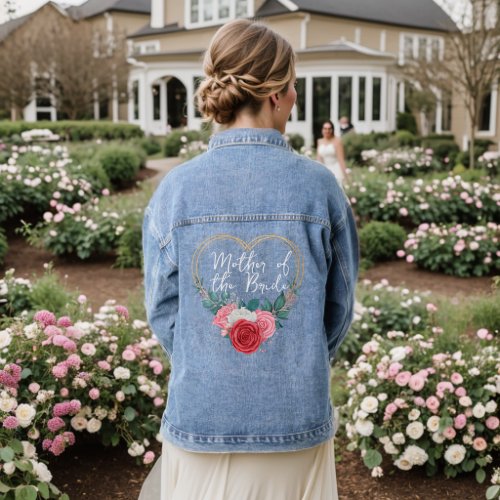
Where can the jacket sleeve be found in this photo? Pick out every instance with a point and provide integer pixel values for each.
(341, 282)
(161, 284)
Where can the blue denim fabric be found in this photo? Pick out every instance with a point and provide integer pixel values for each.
(262, 242)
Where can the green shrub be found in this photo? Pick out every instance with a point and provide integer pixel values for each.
(380, 241)
(405, 138)
(354, 144)
(75, 130)
(120, 163)
(486, 312)
(406, 121)
(94, 172)
(129, 249)
(150, 145)
(296, 141)
(49, 293)
(176, 139)
(4, 247)
(443, 147)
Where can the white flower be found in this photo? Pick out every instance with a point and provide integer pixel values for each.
(390, 449)
(403, 463)
(79, 423)
(5, 338)
(7, 404)
(364, 427)
(455, 454)
(474, 372)
(136, 449)
(25, 414)
(94, 425)
(438, 438)
(41, 471)
(414, 414)
(242, 313)
(467, 440)
(415, 430)
(361, 388)
(433, 423)
(399, 438)
(479, 410)
(384, 439)
(416, 455)
(382, 396)
(29, 450)
(34, 433)
(121, 373)
(9, 468)
(369, 404)
(377, 472)
(490, 407)
(397, 353)
(465, 401)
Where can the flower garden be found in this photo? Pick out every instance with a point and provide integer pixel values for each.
(416, 381)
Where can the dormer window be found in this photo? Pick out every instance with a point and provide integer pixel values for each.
(210, 12)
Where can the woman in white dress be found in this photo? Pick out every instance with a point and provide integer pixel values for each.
(331, 152)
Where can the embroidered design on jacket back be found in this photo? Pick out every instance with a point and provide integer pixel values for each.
(250, 287)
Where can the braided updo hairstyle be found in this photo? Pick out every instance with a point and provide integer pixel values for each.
(245, 63)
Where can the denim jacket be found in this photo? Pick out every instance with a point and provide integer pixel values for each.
(250, 261)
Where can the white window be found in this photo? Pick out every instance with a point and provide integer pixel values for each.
(151, 47)
(413, 46)
(486, 125)
(207, 12)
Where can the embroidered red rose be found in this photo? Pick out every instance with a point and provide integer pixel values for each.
(245, 336)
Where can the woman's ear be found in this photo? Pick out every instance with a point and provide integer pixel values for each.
(275, 100)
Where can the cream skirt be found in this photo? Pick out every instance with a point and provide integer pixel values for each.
(299, 475)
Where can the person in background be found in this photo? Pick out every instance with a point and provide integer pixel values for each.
(345, 126)
(250, 268)
(330, 152)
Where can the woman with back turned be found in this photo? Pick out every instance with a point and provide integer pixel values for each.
(250, 261)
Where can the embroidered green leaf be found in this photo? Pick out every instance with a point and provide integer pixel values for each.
(279, 302)
(266, 305)
(225, 296)
(253, 304)
(213, 296)
(283, 314)
(207, 303)
(278, 324)
(241, 304)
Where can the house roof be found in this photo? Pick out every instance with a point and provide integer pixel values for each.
(95, 7)
(424, 14)
(346, 46)
(10, 26)
(148, 30)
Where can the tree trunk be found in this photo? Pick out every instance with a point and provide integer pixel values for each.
(13, 113)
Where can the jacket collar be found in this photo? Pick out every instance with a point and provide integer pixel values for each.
(234, 136)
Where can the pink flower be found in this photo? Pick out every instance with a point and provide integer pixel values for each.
(10, 422)
(431, 308)
(492, 423)
(400, 253)
(460, 421)
(416, 383)
(94, 393)
(73, 332)
(449, 433)
(59, 370)
(482, 333)
(479, 444)
(402, 378)
(128, 355)
(403, 211)
(52, 330)
(105, 192)
(220, 319)
(34, 387)
(410, 258)
(74, 406)
(61, 409)
(432, 403)
(58, 445)
(122, 311)
(46, 444)
(419, 401)
(82, 299)
(104, 365)
(44, 317)
(74, 360)
(456, 378)
(158, 401)
(266, 323)
(156, 366)
(59, 340)
(64, 321)
(59, 217)
(88, 349)
(442, 387)
(55, 423)
(148, 458)
(64, 392)
(69, 437)
(394, 369)
(69, 346)
(460, 392)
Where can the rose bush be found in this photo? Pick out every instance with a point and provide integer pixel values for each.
(422, 406)
(412, 202)
(459, 250)
(60, 377)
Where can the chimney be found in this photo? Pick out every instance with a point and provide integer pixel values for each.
(157, 13)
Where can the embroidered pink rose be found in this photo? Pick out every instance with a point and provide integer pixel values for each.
(266, 323)
(245, 336)
(220, 319)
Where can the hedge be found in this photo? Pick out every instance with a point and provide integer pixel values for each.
(74, 130)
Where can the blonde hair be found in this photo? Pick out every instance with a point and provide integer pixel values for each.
(245, 63)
